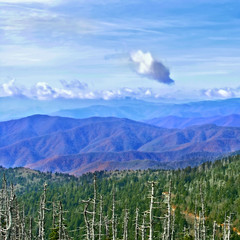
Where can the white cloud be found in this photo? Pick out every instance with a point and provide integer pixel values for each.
(44, 91)
(74, 84)
(149, 67)
(220, 92)
(10, 89)
(45, 2)
(144, 61)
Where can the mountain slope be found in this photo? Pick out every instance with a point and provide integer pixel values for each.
(89, 162)
(90, 135)
(80, 145)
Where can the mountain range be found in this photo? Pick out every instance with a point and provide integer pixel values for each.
(135, 109)
(232, 120)
(77, 146)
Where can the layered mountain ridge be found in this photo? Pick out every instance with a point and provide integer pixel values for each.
(77, 146)
(232, 120)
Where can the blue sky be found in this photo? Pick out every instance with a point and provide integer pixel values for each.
(85, 48)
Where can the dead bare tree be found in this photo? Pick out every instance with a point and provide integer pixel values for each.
(203, 215)
(62, 230)
(41, 218)
(229, 227)
(60, 222)
(195, 223)
(114, 227)
(106, 222)
(87, 223)
(169, 213)
(199, 226)
(6, 211)
(151, 211)
(94, 201)
(30, 235)
(225, 228)
(214, 230)
(125, 225)
(164, 234)
(100, 218)
(173, 226)
(136, 224)
(143, 226)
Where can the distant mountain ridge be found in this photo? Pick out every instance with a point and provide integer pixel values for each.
(80, 145)
(135, 109)
(143, 110)
(232, 120)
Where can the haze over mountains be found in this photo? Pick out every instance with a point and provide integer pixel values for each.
(80, 145)
(232, 120)
(139, 110)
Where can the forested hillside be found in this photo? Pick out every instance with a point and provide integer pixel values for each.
(219, 183)
(78, 146)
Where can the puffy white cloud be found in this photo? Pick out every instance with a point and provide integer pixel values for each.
(79, 90)
(44, 91)
(71, 89)
(149, 67)
(220, 92)
(10, 89)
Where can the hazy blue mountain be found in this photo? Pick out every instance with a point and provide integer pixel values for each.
(139, 110)
(79, 145)
(232, 120)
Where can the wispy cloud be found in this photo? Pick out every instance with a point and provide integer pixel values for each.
(151, 68)
(45, 2)
(39, 37)
(74, 84)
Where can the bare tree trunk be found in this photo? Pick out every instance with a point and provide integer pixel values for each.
(100, 219)
(60, 222)
(41, 223)
(195, 224)
(151, 212)
(203, 216)
(136, 224)
(94, 208)
(225, 229)
(54, 215)
(164, 234)
(113, 217)
(6, 223)
(173, 226)
(106, 221)
(229, 227)
(30, 228)
(169, 209)
(214, 230)
(23, 224)
(143, 227)
(199, 226)
(87, 224)
(125, 227)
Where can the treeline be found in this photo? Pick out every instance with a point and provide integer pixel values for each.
(193, 203)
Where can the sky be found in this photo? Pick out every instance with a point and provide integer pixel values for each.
(111, 49)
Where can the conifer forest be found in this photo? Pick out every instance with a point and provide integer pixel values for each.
(194, 203)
